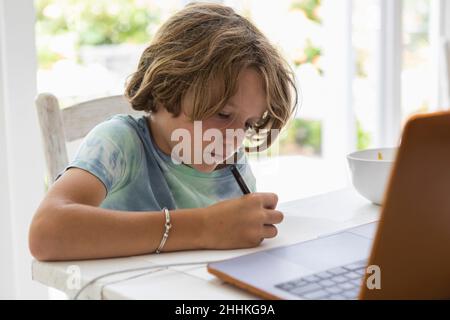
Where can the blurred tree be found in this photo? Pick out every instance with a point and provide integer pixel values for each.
(310, 8)
(97, 22)
(302, 136)
(310, 52)
(77, 23)
(364, 138)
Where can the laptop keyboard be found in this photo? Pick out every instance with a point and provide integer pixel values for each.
(341, 283)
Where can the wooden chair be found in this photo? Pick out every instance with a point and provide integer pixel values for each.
(59, 126)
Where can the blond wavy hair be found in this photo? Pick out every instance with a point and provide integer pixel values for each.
(201, 49)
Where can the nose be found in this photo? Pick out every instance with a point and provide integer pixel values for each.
(235, 133)
(240, 124)
(235, 137)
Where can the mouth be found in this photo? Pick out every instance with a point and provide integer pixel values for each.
(227, 153)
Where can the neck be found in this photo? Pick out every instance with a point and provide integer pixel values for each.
(158, 136)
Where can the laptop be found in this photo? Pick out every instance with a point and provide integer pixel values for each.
(406, 255)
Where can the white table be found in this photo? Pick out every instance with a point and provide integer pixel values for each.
(305, 219)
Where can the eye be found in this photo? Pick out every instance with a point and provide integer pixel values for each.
(224, 115)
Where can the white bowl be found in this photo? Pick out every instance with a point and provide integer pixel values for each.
(370, 174)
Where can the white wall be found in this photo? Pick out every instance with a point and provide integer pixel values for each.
(21, 157)
(6, 252)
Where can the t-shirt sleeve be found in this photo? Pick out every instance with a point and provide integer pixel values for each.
(104, 151)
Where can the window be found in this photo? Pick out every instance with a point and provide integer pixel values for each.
(363, 67)
(417, 92)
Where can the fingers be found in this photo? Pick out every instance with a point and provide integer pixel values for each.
(269, 200)
(270, 231)
(273, 217)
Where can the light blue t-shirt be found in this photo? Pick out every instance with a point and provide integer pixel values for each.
(140, 177)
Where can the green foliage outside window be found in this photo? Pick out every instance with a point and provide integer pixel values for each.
(305, 137)
(302, 136)
(92, 23)
(310, 7)
(97, 22)
(103, 22)
(311, 52)
(364, 138)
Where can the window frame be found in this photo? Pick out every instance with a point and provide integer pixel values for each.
(20, 137)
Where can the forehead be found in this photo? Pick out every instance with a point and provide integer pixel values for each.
(250, 92)
(249, 98)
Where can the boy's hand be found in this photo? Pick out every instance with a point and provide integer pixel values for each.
(241, 223)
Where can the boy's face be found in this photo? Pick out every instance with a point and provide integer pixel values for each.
(206, 144)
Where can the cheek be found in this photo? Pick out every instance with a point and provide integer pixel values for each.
(214, 123)
(184, 130)
(226, 145)
(226, 128)
(210, 127)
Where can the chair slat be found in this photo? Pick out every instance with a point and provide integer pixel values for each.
(59, 126)
(49, 115)
(81, 118)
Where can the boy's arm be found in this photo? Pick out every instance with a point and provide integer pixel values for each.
(69, 225)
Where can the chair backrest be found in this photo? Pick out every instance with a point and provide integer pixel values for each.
(59, 126)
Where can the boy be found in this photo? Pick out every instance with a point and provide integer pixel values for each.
(127, 192)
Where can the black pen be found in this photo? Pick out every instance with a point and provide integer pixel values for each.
(239, 179)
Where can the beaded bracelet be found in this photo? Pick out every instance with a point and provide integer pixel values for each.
(167, 225)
